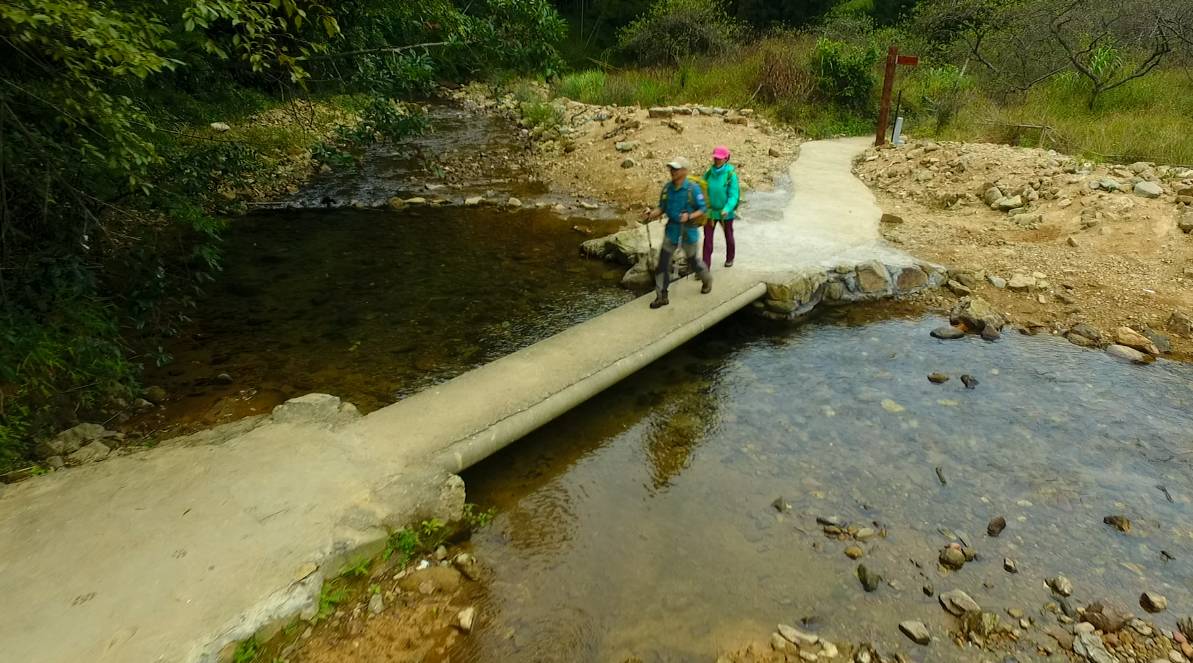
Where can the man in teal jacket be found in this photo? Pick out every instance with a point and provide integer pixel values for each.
(682, 202)
(723, 196)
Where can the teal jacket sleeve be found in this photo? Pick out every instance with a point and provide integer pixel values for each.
(734, 195)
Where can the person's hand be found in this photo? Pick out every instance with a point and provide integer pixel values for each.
(683, 218)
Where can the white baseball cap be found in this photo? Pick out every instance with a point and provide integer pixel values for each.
(677, 163)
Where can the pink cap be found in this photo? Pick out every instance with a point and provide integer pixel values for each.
(720, 152)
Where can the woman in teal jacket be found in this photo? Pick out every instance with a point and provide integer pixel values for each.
(723, 196)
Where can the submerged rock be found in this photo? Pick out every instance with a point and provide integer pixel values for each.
(465, 619)
(938, 378)
(969, 381)
(996, 526)
(870, 580)
(1120, 523)
(948, 333)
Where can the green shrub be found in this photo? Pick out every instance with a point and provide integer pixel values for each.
(845, 73)
(675, 30)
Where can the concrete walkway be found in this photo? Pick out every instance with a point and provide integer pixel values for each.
(173, 554)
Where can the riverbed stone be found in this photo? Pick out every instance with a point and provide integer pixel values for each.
(376, 604)
(1120, 523)
(797, 637)
(869, 579)
(1021, 283)
(975, 314)
(155, 394)
(1092, 648)
(948, 333)
(991, 196)
(916, 631)
(1105, 617)
(1008, 203)
(1133, 339)
(626, 145)
(70, 440)
(660, 112)
(473, 201)
(1061, 585)
(467, 565)
(996, 281)
(1148, 189)
(1153, 602)
(957, 288)
(952, 557)
(1086, 332)
(90, 453)
(938, 378)
(854, 552)
(1129, 354)
(465, 619)
(1181, 324)
(996, 526)
(957, 602)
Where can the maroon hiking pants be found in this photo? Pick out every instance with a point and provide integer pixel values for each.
(710, 228)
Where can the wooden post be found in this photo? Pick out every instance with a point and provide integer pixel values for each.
(888, 84)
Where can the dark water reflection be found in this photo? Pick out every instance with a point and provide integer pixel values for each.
(640, 524)
(374, 305)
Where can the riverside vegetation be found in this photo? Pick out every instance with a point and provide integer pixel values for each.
(129, 132)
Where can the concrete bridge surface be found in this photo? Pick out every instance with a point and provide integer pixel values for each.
(175, 553)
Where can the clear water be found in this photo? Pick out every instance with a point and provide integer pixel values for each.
(374, 305)
(641, 523)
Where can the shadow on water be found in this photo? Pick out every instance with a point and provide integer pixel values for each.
(641, 523)
(374, 305)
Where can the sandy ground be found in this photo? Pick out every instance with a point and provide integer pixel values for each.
(1106, 258)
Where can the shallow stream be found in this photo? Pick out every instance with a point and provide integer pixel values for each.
(641, 524)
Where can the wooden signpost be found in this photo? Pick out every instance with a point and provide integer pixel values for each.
(888, 83)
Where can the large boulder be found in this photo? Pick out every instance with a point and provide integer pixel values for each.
(976, 314)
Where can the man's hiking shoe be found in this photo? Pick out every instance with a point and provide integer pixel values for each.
(659, 302)
(728, 263)
(707, 288)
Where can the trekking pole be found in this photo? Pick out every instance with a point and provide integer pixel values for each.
(649, 247)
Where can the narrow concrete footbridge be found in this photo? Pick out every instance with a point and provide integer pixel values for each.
(174, 554)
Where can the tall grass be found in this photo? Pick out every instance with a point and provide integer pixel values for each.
(1149, 119)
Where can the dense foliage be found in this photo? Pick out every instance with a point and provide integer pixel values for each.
(109, 211)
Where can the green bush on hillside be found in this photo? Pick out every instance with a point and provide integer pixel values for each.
(674, 30)
(845, 73)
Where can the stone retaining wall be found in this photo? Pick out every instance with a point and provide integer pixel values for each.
(795, 297)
